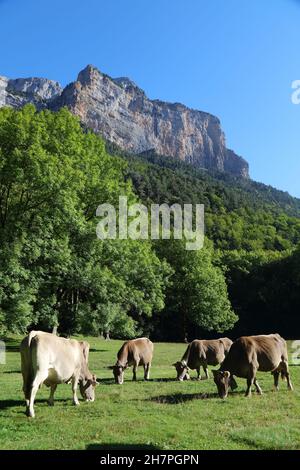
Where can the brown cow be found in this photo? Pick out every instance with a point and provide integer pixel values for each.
(247, 355)
(48, 359)
(201, 352)
(136, 352)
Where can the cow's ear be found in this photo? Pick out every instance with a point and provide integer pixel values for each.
(94, 380)
(110, 367)
(175, 364)
(227, 374)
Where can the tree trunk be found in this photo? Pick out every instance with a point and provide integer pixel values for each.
(184, 325)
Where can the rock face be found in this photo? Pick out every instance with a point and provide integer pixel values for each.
(17, 93)
(121, 112)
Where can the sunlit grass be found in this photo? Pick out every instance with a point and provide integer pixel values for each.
(162, 413)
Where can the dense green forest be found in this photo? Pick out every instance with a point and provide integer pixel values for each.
(55, 272)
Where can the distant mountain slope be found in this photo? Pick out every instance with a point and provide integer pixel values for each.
(121, 112)
(240, 213)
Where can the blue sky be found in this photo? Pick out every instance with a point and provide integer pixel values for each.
(233, 58)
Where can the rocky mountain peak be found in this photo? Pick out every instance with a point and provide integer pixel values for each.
(120, 111)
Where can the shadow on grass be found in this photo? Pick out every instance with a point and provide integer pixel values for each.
(106, 381)
(111, 381)
(253, 444)
(123, 447)
(98, 350)
(163, 380)
(11, 372)
(177, 398)
(6, 404)
(12, 348)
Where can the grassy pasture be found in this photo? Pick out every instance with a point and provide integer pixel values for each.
(160, 414)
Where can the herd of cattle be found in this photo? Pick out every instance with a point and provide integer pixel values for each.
(52, 360)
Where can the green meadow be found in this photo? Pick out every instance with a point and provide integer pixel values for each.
(160, 414)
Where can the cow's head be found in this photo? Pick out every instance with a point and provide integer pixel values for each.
(118, 371)
(222, 381)
(88, 381)
(182, 370)
(87, 387)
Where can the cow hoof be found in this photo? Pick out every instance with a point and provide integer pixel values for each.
(50, 403)
(76, 403)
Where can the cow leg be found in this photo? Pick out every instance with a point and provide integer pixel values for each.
(147, 371)
(276, 379)
(258, 389)
(51, 397)
(37, 381)
(135, 366)
(198, 373)
(285, 373)
(250, 380)
(74, 390)
(26, 390)
(206, 371)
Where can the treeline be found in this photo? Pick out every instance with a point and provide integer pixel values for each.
(55, 272)
(255, 230)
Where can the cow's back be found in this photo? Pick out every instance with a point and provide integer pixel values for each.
(48, 352)
(264, 352)
(140, 349)
(214, 351)
(227, 343)
(204, 352)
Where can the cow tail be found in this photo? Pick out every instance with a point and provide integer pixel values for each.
(31, 345)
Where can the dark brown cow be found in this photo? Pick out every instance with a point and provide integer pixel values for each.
(136, 352)
(247, 355)
(201, 352)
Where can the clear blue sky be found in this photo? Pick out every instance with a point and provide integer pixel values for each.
(233, 58)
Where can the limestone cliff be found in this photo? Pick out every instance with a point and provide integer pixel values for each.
(121, 112)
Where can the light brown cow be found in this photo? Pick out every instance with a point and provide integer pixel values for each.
(247, 355)
(136, 352)
(201, 352)
(49, 359)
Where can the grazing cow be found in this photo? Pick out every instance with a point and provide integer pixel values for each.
(136, 352)
(49, 359)
(247, 355)
(201, 352)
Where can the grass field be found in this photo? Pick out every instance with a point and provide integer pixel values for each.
(159, 414)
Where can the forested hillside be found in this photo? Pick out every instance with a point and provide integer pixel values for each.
(255, 230)
(55, 272)
(239, 213)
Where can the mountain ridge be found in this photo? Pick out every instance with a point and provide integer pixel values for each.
(120, 111)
